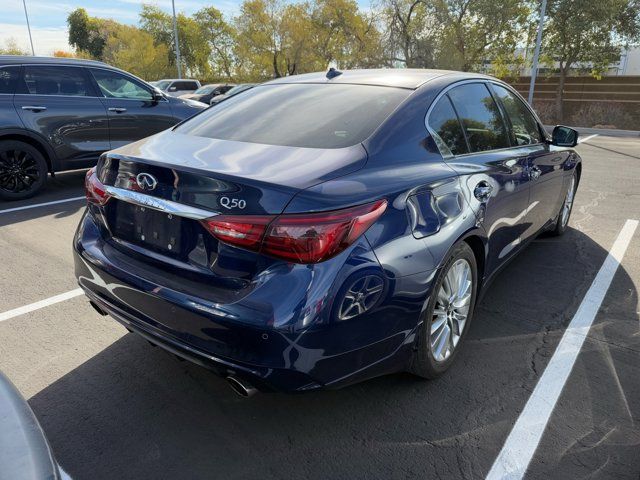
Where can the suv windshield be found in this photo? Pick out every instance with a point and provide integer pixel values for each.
(299, 115)
(162, 85)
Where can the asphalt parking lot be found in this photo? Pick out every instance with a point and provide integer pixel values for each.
(114, 407)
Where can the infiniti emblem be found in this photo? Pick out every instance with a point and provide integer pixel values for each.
(146, 181)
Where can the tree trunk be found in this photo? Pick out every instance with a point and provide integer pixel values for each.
(276, 72)
(560, 95)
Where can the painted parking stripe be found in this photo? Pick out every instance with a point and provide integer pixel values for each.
(522, 442)
(580, 140)
(40, 304)
(55, 202)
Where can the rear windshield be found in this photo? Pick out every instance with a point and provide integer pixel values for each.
(299, 115)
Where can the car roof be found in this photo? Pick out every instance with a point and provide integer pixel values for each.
(177, 80)
(22, 59)
(410, 78)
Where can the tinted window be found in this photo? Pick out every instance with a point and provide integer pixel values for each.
(299, 115)
(69, 81)
(115, 85)
(480, 117)
(8, 79)
(444, 122)
(185, 85)
(524, 125)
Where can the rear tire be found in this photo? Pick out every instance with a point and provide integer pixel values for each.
(23, 170)
(567, 206)
(448, 315)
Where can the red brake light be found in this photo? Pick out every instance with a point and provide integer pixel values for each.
(298, 238)
(94, 190)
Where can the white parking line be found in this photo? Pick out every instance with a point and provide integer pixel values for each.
(522, 442)
(40, 304)
(42, 204)
(580, 140)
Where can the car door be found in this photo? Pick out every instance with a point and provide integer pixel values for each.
(545, 164)
(59, 103)
(133, 111)
(468, 122)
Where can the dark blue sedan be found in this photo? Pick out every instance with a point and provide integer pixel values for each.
(323, 229)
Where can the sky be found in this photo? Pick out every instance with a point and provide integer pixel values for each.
(48, 18)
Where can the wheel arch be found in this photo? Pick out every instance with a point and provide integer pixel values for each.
(35, 141)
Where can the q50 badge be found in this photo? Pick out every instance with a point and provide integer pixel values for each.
(231, 203)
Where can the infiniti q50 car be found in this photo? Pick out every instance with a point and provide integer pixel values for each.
(323, 229)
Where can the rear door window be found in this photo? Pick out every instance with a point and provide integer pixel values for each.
(299, 115)
(480, 117)
(9, 79)
(58, 80)
(523, 124)
(446, 128)
(185, 85)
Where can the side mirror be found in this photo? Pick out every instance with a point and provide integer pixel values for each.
(564, 136)
(156, 96)
(173, 89)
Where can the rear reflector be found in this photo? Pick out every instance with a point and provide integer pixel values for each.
(297, 238)
(94, 190)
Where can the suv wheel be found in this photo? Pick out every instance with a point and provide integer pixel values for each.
(23, 170)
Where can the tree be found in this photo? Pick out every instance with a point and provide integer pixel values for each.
(64, 54)
(11, 47)
(89, 34)
(411, 33)
(220, 36)
(134, 50)
(475, 32)
(194, 48)
(342, 34)
(589, 34)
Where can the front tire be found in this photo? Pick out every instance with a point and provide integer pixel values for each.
(448, 315)
(23, 170)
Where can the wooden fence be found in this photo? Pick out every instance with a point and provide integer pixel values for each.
(609, 101)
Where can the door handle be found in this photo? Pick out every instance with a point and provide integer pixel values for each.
(483, 191)
(34, 108)
(117, 109)
(534, 173)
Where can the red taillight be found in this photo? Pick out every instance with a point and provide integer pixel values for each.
(94, 189)
(298, 238)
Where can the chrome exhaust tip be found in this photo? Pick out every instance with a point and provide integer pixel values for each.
(241, 387)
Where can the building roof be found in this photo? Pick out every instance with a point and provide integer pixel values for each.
(410, 78)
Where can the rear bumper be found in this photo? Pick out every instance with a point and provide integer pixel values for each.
(278, 337)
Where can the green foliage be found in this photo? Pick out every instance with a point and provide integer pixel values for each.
(194, 48)
(89, 34)
(274, 38)
(134, 50)
(587, 34)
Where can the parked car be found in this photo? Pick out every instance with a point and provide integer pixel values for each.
(176, 86)
(60, 114)
(25, 453)
(243, 87)
(208, 92)
(318, 230)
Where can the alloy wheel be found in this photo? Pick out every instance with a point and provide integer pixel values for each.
(362, 295)
(451, 310)
(19, 171)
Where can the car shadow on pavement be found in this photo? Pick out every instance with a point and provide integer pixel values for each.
(133, 411)
(64, 186)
